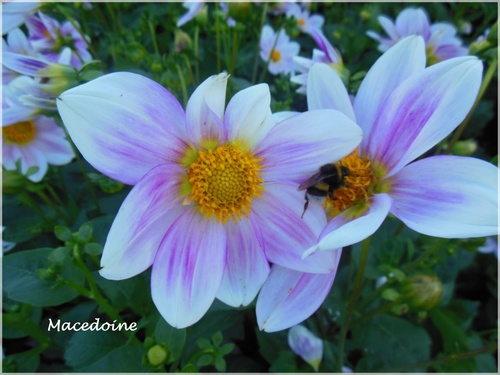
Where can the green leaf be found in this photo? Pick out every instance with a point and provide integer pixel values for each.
(59, 254)
(22, 283)
(173, 338)
(226, 348)
(285, 362)
(220, 364)
(63, 233)
(217, 339)
(204, 360)
(127, 358)
(204, 344)
(270, 344)
(93, 249)
(403, 343)
(85, 232)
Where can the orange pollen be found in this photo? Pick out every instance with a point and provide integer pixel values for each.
(21, 133)
(224, 182)
(276, 56)
(301, 22)
(358, 184)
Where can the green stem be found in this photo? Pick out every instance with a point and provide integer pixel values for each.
(25, 197)
(47, 200)
(183, 85)
(196, 54)
(374, 312)
(356, 292)
(217, 41)
(264, 72)
(486, 81)
(257, 53)
(153, 37)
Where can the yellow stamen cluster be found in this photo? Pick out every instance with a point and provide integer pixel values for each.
(275, 56)
(20, 133)
(301, 22)
(224, 182)
(358, 184)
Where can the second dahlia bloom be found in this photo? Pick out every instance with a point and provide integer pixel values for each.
(278, 50)
(215, 196)
(440, 38)
(404, 110)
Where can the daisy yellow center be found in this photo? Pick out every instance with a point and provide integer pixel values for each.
(276, 56)
(301, 22)
(20, 133)
(358, 185)
(224, 182)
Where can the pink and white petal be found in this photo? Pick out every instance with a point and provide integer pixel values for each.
(413, 21)
(246, 264)
(295, 148)
(344, 229)
(248, 115)
(448, 196)
(286, 234)
(401, 61)
(423, 110)
(280, 116)
(141, 223)
(134, 125)
(188, 268)
(18, 42)
(290, 297)
(205, 110)
(325, 90)
(31, 156)
(327, 50)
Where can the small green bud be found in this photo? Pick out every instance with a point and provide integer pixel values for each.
(58, 78)
(422, 292)
(240, 11)
(136, 51)
(365, 15)
(13, 182)
(182, 41)
(464, 148)
(202, 16)
(47, 274)
(157, 355)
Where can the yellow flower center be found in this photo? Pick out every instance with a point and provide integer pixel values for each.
(358, 185)
(276, 56)
(224, 182)
(301, 22)
(20, 133)
(431, 57)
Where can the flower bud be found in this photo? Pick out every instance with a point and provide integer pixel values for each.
(157, 355)
(58, 78)
(464, 148)
(13, 182)
(240, 11)
(182, 41)
(422, 292)
(305, 344)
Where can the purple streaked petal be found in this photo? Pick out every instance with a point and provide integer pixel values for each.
(296, 147)
(23, 64)
(325, 46)
(205, 110)
(248, 115)
(188, 268)
(413, 21)
(449, 51)
(52, 142)
(423, 110)
(344, 229)
(325, 90)
(397, 64)
(246, 264)
(286, 234)
(17, 114)
(141, 223)
(290, 297)
(448, 196)
(134, 124)
(389, 27)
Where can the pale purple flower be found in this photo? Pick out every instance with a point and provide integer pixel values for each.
(306, 344)
(326, 54)
(231, 22)
(215, 196)
(36, 142)
(278, 50)
(193, 7)
(305, 21)
(51, 38)
(14, 13)
(490, 246)
(440, 38)
(15, 42)
(404, 110)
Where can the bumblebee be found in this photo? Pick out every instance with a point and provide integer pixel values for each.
(324, 183)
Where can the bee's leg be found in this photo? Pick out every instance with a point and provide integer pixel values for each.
(305, 206)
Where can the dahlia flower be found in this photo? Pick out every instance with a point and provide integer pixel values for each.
(36, 142)
(305, 21)
(50, 38)
(215, 196)
(404, 110)
(440, 40)
(278, 50)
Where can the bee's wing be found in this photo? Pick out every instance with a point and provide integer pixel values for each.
(311, 181)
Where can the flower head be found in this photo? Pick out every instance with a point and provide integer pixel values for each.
(278, 50)
(14, 13)
(50, 38)
(405, 109)
(34, 142)
(440, 40)
(215, 197)
(305, 21)
(326, 54)
(304, 343)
